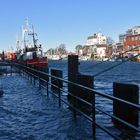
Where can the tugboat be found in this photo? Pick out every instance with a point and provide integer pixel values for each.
(31, 52)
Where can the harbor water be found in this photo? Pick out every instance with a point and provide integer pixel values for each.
(28, 114)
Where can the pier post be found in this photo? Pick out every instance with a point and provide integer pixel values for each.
(56, 83)
(72, 77)
(127, 113)
(87, 81)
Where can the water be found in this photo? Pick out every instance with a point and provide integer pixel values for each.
(28, 114)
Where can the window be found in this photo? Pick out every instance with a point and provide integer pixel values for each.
(136, 38)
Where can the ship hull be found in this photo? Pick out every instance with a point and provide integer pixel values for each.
(38, 62)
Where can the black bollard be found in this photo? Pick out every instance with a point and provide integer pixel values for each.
(72, 73)
(127, 113)
(87, 81)
(56, 83)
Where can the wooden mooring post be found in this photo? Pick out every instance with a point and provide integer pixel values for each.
(121, 110)
(87, 81)
(72, 76)
(87, 95)
(76, 91)
(57, 84)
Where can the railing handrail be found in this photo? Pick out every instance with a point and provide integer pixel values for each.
(136, 106)
(93, 91)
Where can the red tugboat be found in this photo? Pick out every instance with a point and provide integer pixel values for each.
(30, 52)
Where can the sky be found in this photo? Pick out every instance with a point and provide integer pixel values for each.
(66, 21)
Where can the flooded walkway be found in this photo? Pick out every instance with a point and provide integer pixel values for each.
(28, 114)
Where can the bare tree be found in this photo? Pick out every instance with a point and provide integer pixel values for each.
(78, 48)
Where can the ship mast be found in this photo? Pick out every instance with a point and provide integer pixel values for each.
(24, 30)
(33, 35)
(34, 40)
(17, 42)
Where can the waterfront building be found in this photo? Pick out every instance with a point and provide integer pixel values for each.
(96, 46)
(96, 38)
(131, 40)
(133, 31)
(109, 50)
(101, 51)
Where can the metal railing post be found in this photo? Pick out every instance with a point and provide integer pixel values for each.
(59, 96)
(34, 80)
(47, 88)
(75, 105)
(11, 70)
(31, 78)
(93, 115)
(39, 82)
(23, 72)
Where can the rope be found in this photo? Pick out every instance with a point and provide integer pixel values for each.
(116, 65)
(117, 58)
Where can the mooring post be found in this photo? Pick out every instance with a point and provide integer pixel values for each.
(87, 95)
(56, 83)
(72, 77)
(121, 110)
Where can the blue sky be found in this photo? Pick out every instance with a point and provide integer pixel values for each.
(66, 21)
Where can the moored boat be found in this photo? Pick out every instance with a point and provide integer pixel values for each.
(30, 52)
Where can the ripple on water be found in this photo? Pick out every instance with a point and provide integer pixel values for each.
(28, 114)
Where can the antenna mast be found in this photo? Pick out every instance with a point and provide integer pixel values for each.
(24, 30)
(17, 42)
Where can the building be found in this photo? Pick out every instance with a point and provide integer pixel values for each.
(101, 51)
(132, 44)
(96, 45)
(130, 32)
(97, 38)
(131, 41)
(133, 31)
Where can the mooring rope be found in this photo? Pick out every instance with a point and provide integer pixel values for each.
(117, 58)
(105, 70)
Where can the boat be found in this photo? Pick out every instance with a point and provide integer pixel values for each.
(30, 52)
(56, 57)
(84, 58)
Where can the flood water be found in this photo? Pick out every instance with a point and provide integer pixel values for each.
(26, 113)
